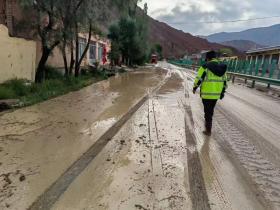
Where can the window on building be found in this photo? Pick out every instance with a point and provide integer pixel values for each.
(92, 51)
(100, 52)
(82, 46)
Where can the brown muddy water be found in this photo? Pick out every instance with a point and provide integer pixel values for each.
(40, 142)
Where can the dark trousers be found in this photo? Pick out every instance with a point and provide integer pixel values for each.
(209, 106)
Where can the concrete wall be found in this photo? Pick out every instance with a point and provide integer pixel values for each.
(17, 57)
(55, 59)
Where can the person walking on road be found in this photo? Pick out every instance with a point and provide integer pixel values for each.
(212, 80)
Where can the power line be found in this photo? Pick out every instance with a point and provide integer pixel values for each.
(226, 21)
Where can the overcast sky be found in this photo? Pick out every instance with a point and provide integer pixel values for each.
(187, 15)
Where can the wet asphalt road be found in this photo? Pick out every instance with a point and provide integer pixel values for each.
(65, 154)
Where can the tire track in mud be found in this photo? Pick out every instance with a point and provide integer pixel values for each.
(262, 174)
(150, 138)
(157, 137)
(271, 115)
(259, 171)
(46, 200)
(198, 193)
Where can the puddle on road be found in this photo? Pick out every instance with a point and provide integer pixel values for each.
(147, 170)
(173, 85)
(129, 88)
(172, 92)
(42, 141)
(139, 83)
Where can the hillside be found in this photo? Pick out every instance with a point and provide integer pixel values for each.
(268, 36)
(177, 43)
(242, 45)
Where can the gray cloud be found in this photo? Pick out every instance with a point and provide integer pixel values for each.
(224, 10)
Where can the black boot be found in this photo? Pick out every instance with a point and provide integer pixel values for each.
(208, 129)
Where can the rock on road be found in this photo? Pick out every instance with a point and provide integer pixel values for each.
(135, 142)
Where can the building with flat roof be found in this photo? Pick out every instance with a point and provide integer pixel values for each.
(264, 55)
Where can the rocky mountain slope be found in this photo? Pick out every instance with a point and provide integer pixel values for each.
(268, 36)
(177, 43)
(242, 45)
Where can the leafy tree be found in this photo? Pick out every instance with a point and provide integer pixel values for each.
(59, 22)
(53, 21)
(49, 29)
(68, 14)
(85, 20)
(81, 20)
(129, 36)
(114, 36)
(142, 28)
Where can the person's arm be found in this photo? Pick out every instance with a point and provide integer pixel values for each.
(199, 78)
(225, 86)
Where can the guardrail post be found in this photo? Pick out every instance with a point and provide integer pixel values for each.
(268, 86)
(253, 84)
(233, 79)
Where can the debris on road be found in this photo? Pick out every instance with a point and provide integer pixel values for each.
(154, 158)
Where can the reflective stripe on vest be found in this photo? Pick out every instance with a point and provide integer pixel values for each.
(210, 94)
(214, 80)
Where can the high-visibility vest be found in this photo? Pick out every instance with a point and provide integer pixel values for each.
(212, 86)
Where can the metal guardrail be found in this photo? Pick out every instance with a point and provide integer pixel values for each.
(265, 73)
(265, 80)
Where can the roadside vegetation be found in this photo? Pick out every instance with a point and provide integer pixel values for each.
(129, 37)
(58, 25)
(56, 84)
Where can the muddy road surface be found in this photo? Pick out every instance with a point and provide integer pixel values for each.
(135, 142)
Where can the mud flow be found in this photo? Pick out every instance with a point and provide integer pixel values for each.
(39, 143)
(135, 142)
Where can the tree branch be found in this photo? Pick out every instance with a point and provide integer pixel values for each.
(79, 5)
(54, 45)
(87, 46)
